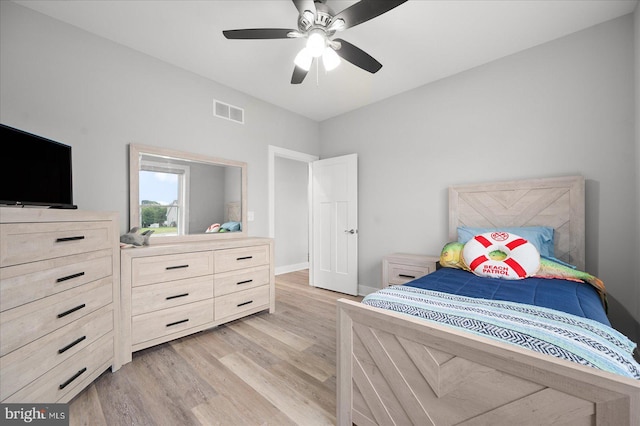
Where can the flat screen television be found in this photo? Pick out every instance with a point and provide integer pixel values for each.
(35, 171)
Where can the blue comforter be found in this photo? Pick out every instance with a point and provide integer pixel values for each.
(572, 297)
(574, 337)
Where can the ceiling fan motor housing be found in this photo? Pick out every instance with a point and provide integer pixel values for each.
(321, 19)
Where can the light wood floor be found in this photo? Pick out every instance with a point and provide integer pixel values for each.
(267, 369)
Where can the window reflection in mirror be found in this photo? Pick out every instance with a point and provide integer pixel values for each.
(163, 197)
(178, 194)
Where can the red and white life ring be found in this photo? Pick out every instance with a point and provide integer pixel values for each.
(519, 258)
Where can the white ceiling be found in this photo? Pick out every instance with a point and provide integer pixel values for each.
(417, 42)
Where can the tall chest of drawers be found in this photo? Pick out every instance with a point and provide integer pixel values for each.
(59, 293)
(173, 290)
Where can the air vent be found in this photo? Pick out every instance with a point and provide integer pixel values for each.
(228, 112)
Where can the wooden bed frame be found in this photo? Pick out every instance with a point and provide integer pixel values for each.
(395, 369)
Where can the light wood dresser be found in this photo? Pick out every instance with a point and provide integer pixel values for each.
(59, 288)
(400, 268)
(173, 290)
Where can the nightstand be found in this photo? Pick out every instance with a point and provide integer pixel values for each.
(400, 268)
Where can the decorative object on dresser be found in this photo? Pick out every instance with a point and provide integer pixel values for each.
(59, 302)
(399, 268)
(173, 290)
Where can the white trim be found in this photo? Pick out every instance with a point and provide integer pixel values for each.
(276, 151)
(291, 268)
(273, 152)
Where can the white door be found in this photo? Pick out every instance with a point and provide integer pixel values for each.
(335, 223)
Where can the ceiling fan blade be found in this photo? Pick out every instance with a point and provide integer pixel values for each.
(257, 33)
(298, 75)
(357, 56)
(365, 10)
(303, 5)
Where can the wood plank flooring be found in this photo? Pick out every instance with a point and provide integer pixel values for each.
(267, 369)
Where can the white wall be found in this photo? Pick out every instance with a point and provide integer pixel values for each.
(98, 96)
(562, 108)
(291, 181)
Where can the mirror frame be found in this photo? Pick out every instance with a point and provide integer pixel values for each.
(135, 150)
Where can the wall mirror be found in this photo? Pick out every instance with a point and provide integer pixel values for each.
(185, 197)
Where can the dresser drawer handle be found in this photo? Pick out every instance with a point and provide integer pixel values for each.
(176, 296)
(168, 268)
(244, 258)
(71, 379)
(406, 276)
(245, 303)
(70, 277)
(72, 310)
(62, 240)
(72, 344)
(244, 282)
(177, 322)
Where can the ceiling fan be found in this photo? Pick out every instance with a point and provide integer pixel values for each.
(318, 24)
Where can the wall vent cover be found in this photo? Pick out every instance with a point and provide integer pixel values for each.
(228, 112)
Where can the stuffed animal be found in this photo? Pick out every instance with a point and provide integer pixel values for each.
(135, 238)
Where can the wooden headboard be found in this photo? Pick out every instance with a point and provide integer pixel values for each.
(555, 202)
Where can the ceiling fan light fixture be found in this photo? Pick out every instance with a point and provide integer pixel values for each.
(337, 25)
(304, 59)
(330, 59)
(309, 16)
(316, 43)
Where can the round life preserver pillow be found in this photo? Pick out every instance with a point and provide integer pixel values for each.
(501, 255)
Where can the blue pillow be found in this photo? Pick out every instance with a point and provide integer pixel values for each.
(233, 226)
(540, 236)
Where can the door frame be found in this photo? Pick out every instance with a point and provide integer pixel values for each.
(273, 152)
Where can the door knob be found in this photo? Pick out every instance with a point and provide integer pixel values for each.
(350, 231)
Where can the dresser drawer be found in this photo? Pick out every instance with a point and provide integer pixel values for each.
(242, 301)
(68, 375)
(29, 242)
(25, 283)
(157, 269)
(239, 258)
(22, 366)
(230, 282)
(168, 321)
(154, 297)
(29, 322)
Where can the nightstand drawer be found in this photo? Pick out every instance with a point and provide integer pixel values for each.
(52, 276)
(65, 377)
(168, 321)
(155, 297)
(231, 282)
(22, 366)
(400, 274)
(400, 268)
(242, 301)
(157, 269)
(29, 322)
(21, 243)
(244, 257)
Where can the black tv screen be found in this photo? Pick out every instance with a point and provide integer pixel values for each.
(35, 171)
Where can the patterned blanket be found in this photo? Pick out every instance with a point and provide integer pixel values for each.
(542, 330)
